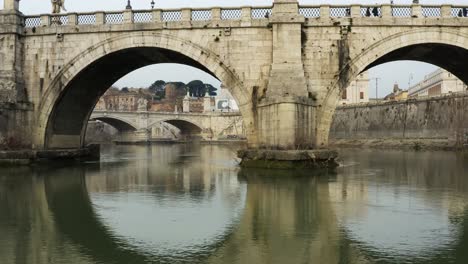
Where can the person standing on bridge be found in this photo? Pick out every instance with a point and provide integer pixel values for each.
(368, 12)
(465, 12)
(375, 11)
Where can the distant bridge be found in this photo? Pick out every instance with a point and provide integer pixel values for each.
(144, 125)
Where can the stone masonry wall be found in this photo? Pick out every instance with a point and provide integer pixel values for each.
(444, 117)
(13, 126)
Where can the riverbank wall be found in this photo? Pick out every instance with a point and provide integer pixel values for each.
(30, 157)
(424, 122)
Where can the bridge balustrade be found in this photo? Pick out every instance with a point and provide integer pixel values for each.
(457, 10)
(310, 12)
(255, 13)
(142, 16)
(86, 19)
(201, 15)
(340, 11)
(231, 13)
(364, 13)
(114, 18)
(431, 11)
(402, 11)
(168, 16)
(260, 13)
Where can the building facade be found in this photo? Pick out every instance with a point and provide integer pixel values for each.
(225, 101)
(357, 92)
(397, 94)
(437, 83)
(117, 100)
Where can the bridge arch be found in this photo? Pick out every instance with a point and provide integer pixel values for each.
(118, 123)
(66, 105)
(185, 125)
(444, 48)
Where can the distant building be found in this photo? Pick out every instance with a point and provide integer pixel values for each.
(117, 100)
(172, 101)
(437, 83)
(175, 99)
(357, 91)
(225, 102)
(397, 94)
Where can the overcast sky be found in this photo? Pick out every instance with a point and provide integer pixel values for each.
(396, 72)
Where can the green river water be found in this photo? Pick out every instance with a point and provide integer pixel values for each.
(193, 204)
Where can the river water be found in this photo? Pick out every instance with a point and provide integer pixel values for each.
(192, 204)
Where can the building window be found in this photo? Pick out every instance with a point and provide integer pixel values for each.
(361, 95)
(344, 94)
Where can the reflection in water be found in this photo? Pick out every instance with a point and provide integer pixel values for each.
(176, 208)
(192, 204)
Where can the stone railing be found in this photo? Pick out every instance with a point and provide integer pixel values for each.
(384, 10)
(244, 13)
(148, 16)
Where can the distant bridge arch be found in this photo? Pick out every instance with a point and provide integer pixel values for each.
(118, 123)
(185, 125)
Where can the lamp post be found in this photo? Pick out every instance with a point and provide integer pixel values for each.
(129, 5)
(376, 87)
(152, 4)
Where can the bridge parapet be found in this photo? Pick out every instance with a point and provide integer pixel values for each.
(243, 14)
(148, 16)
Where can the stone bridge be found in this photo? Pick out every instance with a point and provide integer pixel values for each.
(143, 126)
(285, 64)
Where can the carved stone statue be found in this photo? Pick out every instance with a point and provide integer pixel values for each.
(142, 104)
(57, 6)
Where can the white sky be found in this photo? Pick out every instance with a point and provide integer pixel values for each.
(43, 6)
(389, 73)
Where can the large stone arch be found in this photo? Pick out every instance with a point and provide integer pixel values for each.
(392, 48)
(165, 48)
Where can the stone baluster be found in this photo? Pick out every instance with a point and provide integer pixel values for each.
(246, 14)
(157, 15)
(325, 11)
(100, 18)
(416, 11)
(216, 13)
(446, 11)
(186, 14)
(386, 10)
(72, 19)
(355, 10)
(45, 20)
(128, 16)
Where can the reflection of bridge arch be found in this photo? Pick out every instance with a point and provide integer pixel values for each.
(71, 96)
(81, 224)
(118, 123)
(301, 205)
